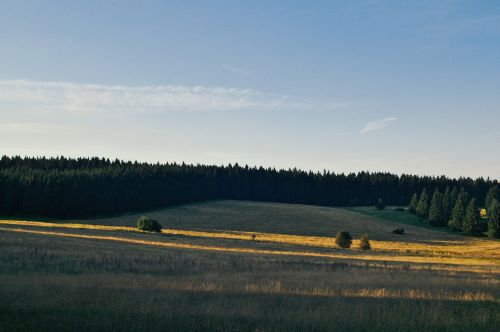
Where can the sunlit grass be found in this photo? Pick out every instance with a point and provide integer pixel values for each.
(468, 249)
(336, 255)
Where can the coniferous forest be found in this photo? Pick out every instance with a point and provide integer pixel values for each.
(86, 187)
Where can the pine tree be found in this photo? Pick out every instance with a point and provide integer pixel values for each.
(447, 204)
(423, 205)
(471, 221)
(436, 212)
(458, 213)
(493, 194)
(412, 208)
(453, 198)
(494, 222)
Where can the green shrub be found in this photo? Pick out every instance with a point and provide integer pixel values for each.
(399, 209)
(343, 239)
(148, 224)
(399, 231)
(364, 243)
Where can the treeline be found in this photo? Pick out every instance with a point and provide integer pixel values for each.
(86, 187)
(459, 210)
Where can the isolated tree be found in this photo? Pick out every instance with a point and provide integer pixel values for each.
(494, 220)
(471, 222)
(364, 243)
(343, 239)
(380, 204)
(423, 205)
(458, 213)
(148, 224)
(412, 207)
(492, 194)
(436, 210)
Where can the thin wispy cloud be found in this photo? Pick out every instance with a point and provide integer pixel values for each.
(237, 70)
(377, 125)
(85, 98)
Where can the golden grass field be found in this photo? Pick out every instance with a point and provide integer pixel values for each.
(207, 271)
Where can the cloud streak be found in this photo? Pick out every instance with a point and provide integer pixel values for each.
(237, 70)
(88, 98)
(377, 125)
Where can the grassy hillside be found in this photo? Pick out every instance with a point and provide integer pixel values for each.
(293, 219)
(207, 272)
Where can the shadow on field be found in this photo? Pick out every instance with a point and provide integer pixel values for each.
(59, 307)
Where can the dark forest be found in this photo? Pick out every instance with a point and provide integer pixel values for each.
(88, 187)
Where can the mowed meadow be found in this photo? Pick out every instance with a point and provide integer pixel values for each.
(246, 266)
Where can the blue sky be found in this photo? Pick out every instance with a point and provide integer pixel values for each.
(400, 86)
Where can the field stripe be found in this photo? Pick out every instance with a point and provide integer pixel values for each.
(469, 248)
(381, 258)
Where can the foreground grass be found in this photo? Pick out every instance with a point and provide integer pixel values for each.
(210, 275)
(59, 283)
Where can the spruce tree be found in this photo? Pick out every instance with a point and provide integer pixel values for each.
(453, 198)
(471, 221)
(412, 207)
(423, 205)
(436, 212)
(493, 194)
(447, 204)
(490, 209)
(494, 220)
(458, 213)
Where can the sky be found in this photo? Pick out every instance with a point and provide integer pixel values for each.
(398, 86)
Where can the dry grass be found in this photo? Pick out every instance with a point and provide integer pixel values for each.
(93, 277)
(459, 251)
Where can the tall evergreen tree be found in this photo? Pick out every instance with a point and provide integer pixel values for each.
(436, 211)
(471, 221)
(454, 197)
(494, 220)
(447, 204)
(458, 214)
(423, 205)
(412, 207)
(492, 194)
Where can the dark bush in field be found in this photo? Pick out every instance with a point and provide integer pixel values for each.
(399, 209)
(343, 239)
(364, 243)
(380, 204)
(148, 224)
(399, 231)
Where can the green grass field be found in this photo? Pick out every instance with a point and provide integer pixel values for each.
(205, 273)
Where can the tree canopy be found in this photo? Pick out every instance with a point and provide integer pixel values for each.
(86, 187)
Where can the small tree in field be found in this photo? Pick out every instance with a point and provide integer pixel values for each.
(148, 224)
(364, 243)
(380, 204)
(343, 239)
